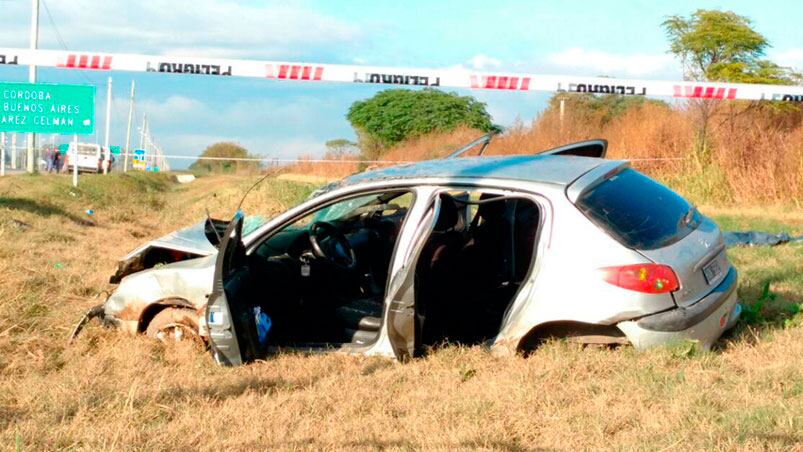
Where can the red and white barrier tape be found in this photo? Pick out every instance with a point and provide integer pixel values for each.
(451, 78)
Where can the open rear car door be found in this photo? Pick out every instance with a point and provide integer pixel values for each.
(232, 329)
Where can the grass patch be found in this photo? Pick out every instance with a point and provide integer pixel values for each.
(115, 189)
(771, 224)
(708, 184)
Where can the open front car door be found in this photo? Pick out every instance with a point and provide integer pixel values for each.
(232, 329)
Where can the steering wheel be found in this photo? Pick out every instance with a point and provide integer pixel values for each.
(338, 249)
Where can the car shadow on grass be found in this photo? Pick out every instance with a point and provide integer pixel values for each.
(378, 444)
(221, 391)
(42, 209)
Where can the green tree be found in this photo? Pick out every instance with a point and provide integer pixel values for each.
(720, 46)
(224, 149)
(599, 108)
(341, 147)
(394, 115)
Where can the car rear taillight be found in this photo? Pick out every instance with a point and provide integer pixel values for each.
(646, 278)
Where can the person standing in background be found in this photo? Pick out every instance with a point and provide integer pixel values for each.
(48, 156)
(55, 161)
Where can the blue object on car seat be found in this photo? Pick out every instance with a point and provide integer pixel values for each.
(263, 324)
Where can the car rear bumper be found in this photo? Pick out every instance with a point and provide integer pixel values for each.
(704, 322)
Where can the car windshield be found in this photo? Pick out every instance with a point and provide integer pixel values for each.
(252, 222)
(345, 209)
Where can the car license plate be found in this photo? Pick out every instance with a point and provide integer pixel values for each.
(712, 271)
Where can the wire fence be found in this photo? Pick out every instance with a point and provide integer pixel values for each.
(16, 158)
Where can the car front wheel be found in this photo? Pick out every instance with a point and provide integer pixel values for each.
(174, 325)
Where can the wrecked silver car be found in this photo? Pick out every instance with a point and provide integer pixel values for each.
(501, 251)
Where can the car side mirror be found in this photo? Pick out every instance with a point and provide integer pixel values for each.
(214, 230)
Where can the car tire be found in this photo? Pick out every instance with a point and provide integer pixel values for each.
(173, 325)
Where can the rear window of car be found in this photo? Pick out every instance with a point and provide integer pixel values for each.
(638, 212)
(87, 150)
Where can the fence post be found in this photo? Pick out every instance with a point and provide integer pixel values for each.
(75, 161)
(13, 151)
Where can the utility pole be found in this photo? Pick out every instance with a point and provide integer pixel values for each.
(128, 130)
(106, 150)
(142, 132)
(31, 141)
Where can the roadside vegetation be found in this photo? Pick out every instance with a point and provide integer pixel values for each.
(110, 391)
(214, 160)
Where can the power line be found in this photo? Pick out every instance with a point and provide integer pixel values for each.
(53, 23)
(62, 42)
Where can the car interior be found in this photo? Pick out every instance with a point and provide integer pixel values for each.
(472, 265)
(321, 280)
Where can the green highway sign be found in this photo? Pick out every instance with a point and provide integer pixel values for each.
(47, 108)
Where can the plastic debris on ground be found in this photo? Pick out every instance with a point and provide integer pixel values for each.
(757, 238)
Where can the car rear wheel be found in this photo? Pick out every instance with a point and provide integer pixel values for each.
(175, 325)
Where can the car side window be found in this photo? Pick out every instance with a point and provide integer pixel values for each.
(391, 205)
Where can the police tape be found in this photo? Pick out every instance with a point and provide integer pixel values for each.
(398, 76)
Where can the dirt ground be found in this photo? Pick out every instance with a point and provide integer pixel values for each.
(109, 391)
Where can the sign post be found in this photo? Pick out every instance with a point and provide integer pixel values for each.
(2, 153)
(48, 108)
(13, 151)
(75, 161)
(106, 152)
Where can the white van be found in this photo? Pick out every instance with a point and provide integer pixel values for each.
(91, 157)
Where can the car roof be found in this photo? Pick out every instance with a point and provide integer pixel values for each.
(551, 169)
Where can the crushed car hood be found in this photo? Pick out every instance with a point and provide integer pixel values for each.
(188, 243)
(192, 239)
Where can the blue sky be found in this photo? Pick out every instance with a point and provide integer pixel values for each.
(282, 119)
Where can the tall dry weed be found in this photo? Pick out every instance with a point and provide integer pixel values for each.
(760, 151)
(334, 167)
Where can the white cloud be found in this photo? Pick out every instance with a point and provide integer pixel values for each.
(193, 27)
(482, 62)
(598, 62)
(183, 125)
(789, 58)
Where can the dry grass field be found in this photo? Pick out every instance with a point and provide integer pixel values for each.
(108, 391)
